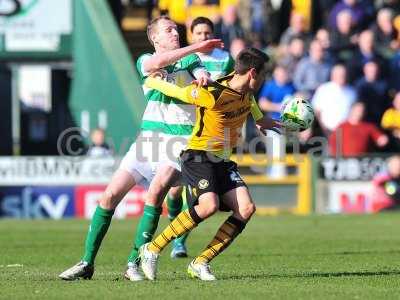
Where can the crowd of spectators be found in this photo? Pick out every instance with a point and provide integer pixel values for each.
(338, 54)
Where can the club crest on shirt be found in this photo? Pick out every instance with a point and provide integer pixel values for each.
(203, 184)
(194, 93)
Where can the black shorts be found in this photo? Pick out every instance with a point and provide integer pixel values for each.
(203, 172)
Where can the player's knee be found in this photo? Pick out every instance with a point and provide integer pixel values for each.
(208, 210)
(109, 199)
(247, 210)
(213, 208)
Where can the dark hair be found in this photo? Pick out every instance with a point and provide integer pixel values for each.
(153, 24)
(201, 20)
(250, 58)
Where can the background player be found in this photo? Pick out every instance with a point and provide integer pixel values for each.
(218, 62)
(163, 119)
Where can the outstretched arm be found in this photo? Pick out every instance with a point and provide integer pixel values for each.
(263, 122)
(158, 61)
(191, 94)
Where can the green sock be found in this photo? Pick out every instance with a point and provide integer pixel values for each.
(174, 207)
(97, 230)
(146, 229)
(182, 238)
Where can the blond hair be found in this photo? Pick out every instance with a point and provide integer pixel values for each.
(153, 25)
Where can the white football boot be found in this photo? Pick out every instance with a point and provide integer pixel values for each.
(132, 272)
(148, 261)
(201, 271)
(80, 270)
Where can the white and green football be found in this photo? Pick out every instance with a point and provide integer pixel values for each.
(297, 114)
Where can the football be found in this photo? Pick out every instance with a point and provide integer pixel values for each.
(297, 114)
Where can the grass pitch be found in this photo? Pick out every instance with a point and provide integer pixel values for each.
(285, 257)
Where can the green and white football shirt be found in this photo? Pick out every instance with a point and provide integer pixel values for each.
(218, 63)
(166, 114)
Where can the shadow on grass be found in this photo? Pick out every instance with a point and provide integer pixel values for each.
(312, 275)
(182, 278)
(362, 252)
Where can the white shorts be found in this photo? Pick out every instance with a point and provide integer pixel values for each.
(151, 150)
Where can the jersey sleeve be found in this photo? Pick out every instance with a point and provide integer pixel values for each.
(193, 63)
(139, 65)
(255, 110)
(190, 94)
(375, 132)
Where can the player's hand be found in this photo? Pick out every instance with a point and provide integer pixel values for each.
(264, 130)
(202, 78)
(202, 81)
(271, 124)
(209, 45)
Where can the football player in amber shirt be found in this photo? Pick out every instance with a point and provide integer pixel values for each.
(212, 179)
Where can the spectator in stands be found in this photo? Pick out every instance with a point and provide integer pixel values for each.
(312, 70)
(332, 100)
(373, 92)
(274, 91)
(200, 8)
(293, 56)
(217, 62)
(296, 29)
(229, 28)
(237, 45)
(343, 37)
(323, 36)
(98, 147)
(361, 12)
(355, 137)
(365, 53)
(386, 187)
(391, 122)
(385, 34)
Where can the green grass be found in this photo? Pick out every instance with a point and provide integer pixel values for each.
(285, 257)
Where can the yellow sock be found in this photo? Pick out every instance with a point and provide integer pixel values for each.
(229, 230)
(182, 224)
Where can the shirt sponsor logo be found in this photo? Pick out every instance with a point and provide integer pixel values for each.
(194, 93)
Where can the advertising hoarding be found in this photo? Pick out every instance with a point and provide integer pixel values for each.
(87, 198)
(344, 184)
(47, 170)
(36, 202)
